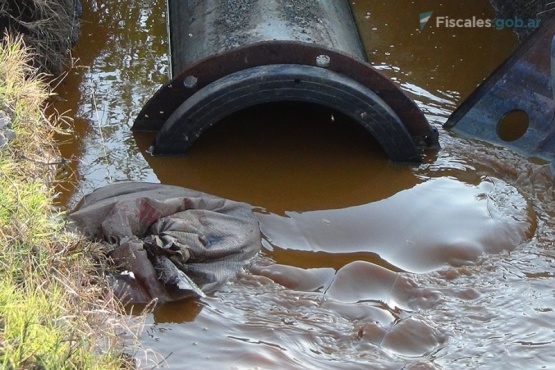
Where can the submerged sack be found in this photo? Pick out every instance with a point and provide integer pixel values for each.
(168, 242)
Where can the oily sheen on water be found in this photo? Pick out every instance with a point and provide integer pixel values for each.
(438, 223)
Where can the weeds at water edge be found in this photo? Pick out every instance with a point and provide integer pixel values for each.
(56, 311)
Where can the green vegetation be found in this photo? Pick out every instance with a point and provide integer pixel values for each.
(55, 311)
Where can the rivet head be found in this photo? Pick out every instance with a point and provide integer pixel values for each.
(323, 60)
(190, 82)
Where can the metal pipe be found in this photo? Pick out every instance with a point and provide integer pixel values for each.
(213, 26)
(231, 54)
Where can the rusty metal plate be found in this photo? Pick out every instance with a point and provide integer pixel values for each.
(196, 76)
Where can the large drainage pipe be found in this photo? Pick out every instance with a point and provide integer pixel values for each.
(227, 55)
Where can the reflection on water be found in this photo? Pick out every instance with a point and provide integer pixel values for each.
(437, 61)
(121, 61)
(305, 303)
(440, 222)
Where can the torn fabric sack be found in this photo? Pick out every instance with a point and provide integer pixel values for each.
(168, 242)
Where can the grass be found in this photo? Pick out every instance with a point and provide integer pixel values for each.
(50, 27)
(56, 311)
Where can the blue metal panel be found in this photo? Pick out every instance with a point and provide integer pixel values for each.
(524, 82)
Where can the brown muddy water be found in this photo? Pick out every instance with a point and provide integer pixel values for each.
(366, 264)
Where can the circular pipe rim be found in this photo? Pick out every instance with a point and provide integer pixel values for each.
(285, 82)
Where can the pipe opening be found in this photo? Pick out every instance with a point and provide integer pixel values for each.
(303, 132)
(276, 83)
(293, 154)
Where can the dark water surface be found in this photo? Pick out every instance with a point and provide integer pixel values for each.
(366, 264)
